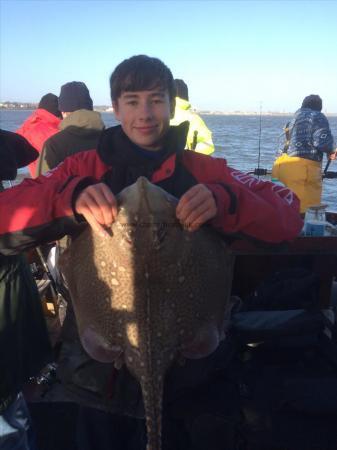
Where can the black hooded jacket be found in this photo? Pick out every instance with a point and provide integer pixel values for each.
(129, 163)
(24, 341)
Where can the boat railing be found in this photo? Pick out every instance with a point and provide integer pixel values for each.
(262, 172)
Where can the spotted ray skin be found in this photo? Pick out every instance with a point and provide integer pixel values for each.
(150, 292)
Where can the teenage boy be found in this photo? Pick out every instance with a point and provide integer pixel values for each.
(84, 186)
(142, 92)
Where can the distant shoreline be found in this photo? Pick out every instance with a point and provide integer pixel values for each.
(201, 112)
(252, 113)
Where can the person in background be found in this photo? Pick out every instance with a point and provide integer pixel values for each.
(79, 130)
(307, 138)
(40, 125)
(84, 188)
(199, 137)
(24, 341)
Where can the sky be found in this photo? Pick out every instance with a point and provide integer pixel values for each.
(234, 55)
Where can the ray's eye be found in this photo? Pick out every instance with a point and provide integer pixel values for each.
(128, 233)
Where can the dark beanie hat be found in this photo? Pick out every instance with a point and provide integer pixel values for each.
(313, 102)
(49, 102)
(15, 152)
(73, 96)
(181, 89)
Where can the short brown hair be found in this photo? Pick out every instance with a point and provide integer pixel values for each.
(141, 73)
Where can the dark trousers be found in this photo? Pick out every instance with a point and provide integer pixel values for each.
(204, 416)
(98, 430)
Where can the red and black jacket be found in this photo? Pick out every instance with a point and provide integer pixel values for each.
(41, 210)
(39, 126)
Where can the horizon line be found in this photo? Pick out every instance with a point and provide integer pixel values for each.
(14, 106)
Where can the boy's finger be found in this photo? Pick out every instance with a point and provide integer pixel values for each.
(102, 208)
(99, 229)
(111, 199)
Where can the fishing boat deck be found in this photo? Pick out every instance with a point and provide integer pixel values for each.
(51, 412)
(255, 261)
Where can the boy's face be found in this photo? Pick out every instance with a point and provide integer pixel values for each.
(144, 116)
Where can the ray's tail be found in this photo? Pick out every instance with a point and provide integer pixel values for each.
(153, 399)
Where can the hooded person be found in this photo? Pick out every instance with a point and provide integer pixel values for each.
(79, 130)
(40, 125)
(15, 152)
(313, 102)
(307, 138)
(24, 342)
(199, 137)
(49, 102)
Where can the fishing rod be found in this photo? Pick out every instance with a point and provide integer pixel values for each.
(257, 170)
(325, 171)
(260, 171)
(328, 174)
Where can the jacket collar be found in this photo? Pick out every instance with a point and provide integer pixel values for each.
(83, 118)
(116, 149)
(128, 163)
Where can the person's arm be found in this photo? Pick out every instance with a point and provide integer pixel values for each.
(41, 210)
(322, 137)
(256, 208)
(333, 155)
(246, 205)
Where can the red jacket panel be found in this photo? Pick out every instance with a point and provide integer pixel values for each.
(37, 128)
(41, 209)
(264, 210)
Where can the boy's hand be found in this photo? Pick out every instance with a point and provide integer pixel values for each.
(98, 205)
(196, 207)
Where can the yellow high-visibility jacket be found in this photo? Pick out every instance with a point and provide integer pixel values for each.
(199, 137)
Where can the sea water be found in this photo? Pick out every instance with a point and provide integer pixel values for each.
(237, 138)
